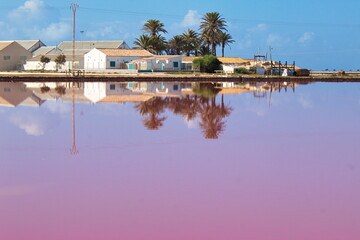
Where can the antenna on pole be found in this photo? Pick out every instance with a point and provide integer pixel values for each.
(73, 6)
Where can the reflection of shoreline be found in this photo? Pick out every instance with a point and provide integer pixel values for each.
(58, 77)
(195, 102)
(35, 94)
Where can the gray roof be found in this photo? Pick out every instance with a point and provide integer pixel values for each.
(28, 44)
(92, 44)
(43, 50)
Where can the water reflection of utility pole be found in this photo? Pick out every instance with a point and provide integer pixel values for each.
(73, 149)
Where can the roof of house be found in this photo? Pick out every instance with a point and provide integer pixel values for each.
(27, 44)
(91, 44)
(126, 52)
(43, 50)
(5, 44)
(224, 60)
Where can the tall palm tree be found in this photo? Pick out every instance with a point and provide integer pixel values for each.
(175, 45)
(225, 39)
(154, 27)
(145, 42)
(211, 26)
(190, 38)
(159, 44)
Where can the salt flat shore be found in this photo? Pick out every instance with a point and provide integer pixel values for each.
(163, 77)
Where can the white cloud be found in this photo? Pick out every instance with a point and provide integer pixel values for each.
(259, 28)
(306, 37)
(32, 125)
(31, 10)
(55, 31)
(34, 20)
(274, 39)
(110, 30)
(191, 19)
(245, 43)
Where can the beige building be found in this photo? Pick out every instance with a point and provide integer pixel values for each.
(13, 56)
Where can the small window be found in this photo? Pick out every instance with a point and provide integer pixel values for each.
(6, 58)
(7, 90)
(176, 87)
(112, 63)
(22, 58)
(112, 86)
(176, 64)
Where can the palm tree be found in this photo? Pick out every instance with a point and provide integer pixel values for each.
(211, 27)
(145, 42)
(175, 45)
(159, 44)
(190, 38)
(225, 39)
(154, 27)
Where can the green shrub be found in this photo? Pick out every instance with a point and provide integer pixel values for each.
(241, 70)
(208, 64)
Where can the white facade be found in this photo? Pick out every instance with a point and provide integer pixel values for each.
(95, 59)
(158, 63)
(98, 60)
(36, 64)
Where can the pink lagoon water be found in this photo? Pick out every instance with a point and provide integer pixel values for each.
(251, 162)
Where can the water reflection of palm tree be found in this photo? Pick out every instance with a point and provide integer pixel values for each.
(151, 110)
(212, 117)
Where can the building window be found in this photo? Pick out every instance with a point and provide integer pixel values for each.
(22, 58)
(112, 86)
(7, 90)
(6, 58)
(112, 64)
(176, 87)
(176, 64)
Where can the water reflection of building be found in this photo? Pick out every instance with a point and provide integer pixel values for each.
(16, 94)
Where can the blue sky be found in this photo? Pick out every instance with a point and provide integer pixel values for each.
(316, 34)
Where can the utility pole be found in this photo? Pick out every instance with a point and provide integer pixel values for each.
(73, 6)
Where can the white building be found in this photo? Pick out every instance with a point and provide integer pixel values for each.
(157, 63)
(112, 59)
(36, 64)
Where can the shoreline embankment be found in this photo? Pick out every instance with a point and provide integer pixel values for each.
(153, 77)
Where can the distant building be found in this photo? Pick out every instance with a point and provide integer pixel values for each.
(157, 63)
(88, 45)
(31, 45)
(229, 64)
(36, 64)
(43, 50)
(107, 59)
(13, 56)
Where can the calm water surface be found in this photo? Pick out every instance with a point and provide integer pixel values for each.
(175, 161)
